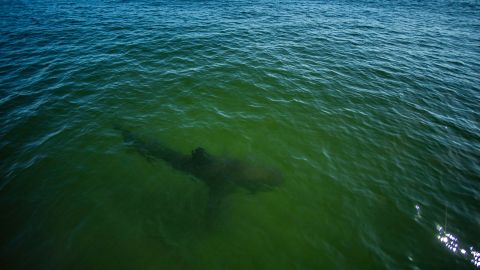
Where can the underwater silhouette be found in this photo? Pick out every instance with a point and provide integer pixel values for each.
(221, 175)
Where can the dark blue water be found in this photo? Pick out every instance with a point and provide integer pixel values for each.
(369, 110)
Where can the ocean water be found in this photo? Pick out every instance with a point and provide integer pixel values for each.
(369, 109)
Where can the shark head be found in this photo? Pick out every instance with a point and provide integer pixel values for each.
(254, 177)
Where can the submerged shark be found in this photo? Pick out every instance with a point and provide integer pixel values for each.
(220, 174)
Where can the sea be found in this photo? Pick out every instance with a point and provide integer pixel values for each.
(368, 109)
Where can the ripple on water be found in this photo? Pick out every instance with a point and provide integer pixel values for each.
(369, 110)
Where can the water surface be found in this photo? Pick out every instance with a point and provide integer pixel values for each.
(370, 109)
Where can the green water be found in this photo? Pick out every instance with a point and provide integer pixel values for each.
(369, 109)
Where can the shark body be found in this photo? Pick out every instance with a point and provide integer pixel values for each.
(222, 175)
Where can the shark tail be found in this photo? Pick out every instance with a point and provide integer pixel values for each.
(127, 135)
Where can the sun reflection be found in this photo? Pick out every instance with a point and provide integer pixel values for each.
(453, 244)
(418, 215)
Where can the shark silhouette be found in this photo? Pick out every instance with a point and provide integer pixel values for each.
(220, 174)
